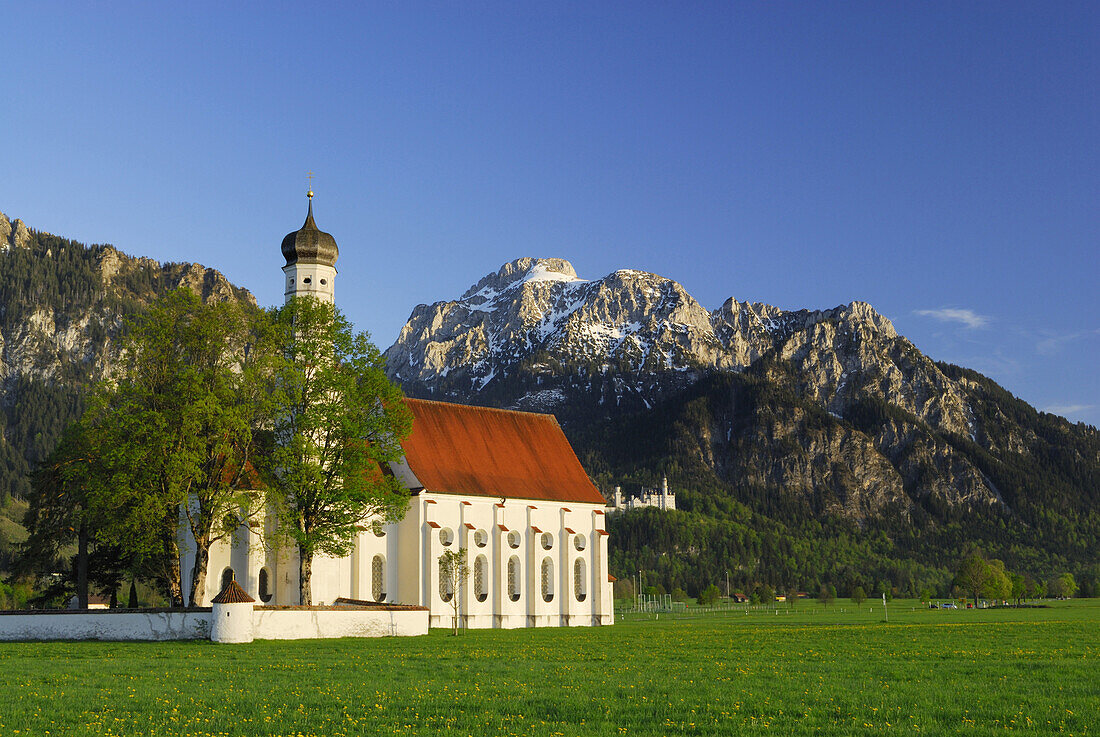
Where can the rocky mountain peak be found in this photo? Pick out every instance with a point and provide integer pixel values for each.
(13, 233)
(522, 270)
(535, 336)
(534, 323)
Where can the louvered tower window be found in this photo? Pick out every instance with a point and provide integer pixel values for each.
(579, 579)
(513, 578)
(378, 578)
(446, 589)
(480, 592)
(547, 579)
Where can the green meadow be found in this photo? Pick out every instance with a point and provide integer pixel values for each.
(808, 671)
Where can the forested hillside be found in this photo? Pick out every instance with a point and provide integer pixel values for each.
(61, 304)
(806, 447)
(723, 441)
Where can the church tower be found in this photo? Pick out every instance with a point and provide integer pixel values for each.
(310, 261)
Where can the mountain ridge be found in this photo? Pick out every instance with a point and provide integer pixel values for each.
(805, 445)
(799, 415)
(61, 305)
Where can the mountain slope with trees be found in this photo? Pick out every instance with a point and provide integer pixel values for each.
(807, 447)
(62, 305)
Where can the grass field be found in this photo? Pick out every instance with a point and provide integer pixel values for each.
(1035, 671)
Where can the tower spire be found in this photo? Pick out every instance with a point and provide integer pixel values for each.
(309, 188)
(310, 257)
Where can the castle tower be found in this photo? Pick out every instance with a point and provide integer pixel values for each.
(310, 261)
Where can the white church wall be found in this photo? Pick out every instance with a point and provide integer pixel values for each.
(305, 279)
(410, 550)
(467, 516)
(408, 554)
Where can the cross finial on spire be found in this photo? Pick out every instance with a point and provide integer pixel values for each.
(309, 192)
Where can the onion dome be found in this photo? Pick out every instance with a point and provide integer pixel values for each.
(310, 245)
(232, 594)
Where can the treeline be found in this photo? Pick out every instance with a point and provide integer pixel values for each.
(688, 551)
(712, 440)
(216, 417)
(59, 280)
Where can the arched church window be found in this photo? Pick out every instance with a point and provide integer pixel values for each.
(547, 579)
(579, 582)
(378, 578)
(446, 536)
(480, 566)
(227, 578)
(446, 585)
(265, 586)
(481, 538)
(513, 539)
(547, 541)
(579, 542)
(307, 280)
(513, 578)
(377, 528)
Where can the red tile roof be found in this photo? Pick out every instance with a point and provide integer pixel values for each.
(457, 449)
(232, 594)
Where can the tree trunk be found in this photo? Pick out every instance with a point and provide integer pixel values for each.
(199, 572)
(172, 553)
(305, 572)
(82, 567)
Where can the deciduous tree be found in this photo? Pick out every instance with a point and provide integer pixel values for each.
(338, 422)
(1063, 587)
(709, 595)
(453, 572)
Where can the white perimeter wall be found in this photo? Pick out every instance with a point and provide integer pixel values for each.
(304, 624)
(106, 625)
(268, 624)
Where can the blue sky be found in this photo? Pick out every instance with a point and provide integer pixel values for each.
(938, 160)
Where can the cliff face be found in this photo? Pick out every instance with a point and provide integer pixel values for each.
(633, 336)
(61, 306)
(828, 409)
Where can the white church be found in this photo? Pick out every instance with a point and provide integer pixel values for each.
(505, 486)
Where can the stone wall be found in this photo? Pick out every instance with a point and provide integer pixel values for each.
(302, 623)
(268, 623)
(104, 624)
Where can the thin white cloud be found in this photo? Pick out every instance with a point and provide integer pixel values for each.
(1065, 410)
(969, 318)
(1052, 344)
